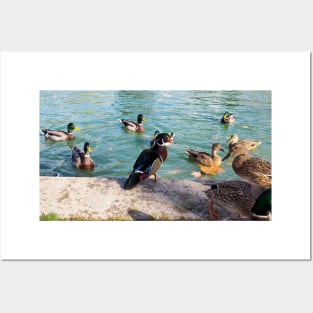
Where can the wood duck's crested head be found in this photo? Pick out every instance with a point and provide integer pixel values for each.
(71, 127)
(163, 139)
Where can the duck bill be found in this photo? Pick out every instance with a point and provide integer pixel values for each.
(77, 129)
(89, 149)
(145, 120)
(226, 157)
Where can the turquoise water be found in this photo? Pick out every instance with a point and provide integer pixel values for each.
(194, 116)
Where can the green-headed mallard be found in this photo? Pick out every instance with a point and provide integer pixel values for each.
(206, 158)
(82, 159)
(60, 134)
(228, 118)
(240, 199)
(150, 160)
(133, 126)
(253, 170)
(248, 144)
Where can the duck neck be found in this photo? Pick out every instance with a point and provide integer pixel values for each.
(240, 159)
(161, 151)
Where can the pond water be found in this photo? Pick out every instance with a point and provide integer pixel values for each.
(194, 116)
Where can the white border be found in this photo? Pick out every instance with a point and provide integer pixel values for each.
(24, 74)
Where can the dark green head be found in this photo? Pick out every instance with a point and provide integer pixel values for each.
(141, 119)
(263, 204)
(87, 148)
(228, 117)
(71, 127)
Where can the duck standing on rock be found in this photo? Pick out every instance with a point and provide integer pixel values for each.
(59, 135)
(133, 126)
(253, 170)
(82, 159)
(150, 160)
(228, 118)
(248, 144)
(240, 199)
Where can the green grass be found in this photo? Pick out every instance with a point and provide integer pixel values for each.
(50, 217)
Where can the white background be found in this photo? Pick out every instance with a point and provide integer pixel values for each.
(25, 74)
(162, 286)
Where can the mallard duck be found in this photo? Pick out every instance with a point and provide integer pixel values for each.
(253, 170)
(248, 144)
(82, 159)
(60, 134)
(228, 118)
(238, 198)
(206, 158)
(133, 126)
(150, 160)
(262, 209)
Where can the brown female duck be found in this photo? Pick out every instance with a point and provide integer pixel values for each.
(206, 158)
(248, 144)
(253, 170)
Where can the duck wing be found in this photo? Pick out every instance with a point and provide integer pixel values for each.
(142, 167)
(250, 144)
(258, 166)
(201, 157)
(55, 134)
(76, 156)
(145, 160)
(128, 123)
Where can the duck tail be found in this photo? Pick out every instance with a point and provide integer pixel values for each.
(123, 121)
(192, 153)
(43, 131)
(132, 180)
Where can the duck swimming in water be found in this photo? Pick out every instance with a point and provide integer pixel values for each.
(228, 118)
(248, 144)
(206, 158)
(253, 170)
(150, 160)
(82, 159)
(59, 135)
(133, 126)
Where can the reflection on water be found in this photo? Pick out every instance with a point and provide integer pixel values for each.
(194, 116)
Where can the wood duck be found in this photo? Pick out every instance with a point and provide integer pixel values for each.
(150, 160)
(248, 144)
